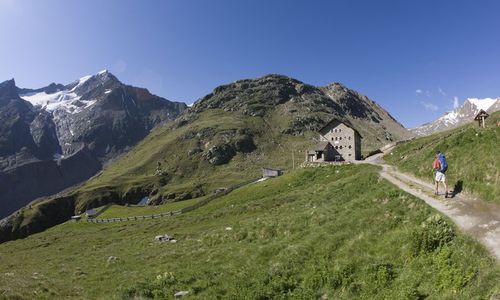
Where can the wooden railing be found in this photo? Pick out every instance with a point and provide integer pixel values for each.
(175, 212)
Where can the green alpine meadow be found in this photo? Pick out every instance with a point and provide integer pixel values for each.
(337, 232)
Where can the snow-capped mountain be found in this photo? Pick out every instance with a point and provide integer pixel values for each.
(58, 135)
(459, 116)
(69, 97)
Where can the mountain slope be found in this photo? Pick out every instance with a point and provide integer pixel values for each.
(16, 116)
(459, 116)
(335, 231)
(224, 138)
(473, 156)
(95, 118)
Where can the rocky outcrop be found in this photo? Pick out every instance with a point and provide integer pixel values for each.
(219, 154)
(43, 131)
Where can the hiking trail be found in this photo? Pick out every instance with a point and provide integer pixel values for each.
(477, 218)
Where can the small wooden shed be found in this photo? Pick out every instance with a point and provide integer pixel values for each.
(481, 116)
(270, 172)
(91, 213)
(144, 201)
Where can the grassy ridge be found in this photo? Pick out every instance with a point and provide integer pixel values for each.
(340, 231)
(473, 156)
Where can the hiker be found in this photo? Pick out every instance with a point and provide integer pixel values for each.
(440, 166)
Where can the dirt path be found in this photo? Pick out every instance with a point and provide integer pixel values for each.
(477, 218)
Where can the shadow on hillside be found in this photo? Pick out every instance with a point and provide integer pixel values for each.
(457, 189)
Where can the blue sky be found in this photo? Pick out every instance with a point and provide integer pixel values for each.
(411, 57)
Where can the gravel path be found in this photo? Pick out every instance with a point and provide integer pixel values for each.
(479, 219)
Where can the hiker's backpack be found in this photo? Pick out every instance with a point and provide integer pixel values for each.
(443, 163)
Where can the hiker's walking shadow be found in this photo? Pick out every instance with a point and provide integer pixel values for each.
(457, 188)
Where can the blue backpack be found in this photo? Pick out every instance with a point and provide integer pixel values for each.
(443, 163)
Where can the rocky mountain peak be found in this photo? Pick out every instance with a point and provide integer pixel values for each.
(86, 84)
(458, 116)
(336, 86)
(8, 91)
(7, 83)
(54, 88)
(254, 96)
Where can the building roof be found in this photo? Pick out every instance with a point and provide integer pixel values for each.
(345, 122)
(271, 169)
(91, 212)
(144, 201)
(320, 146)
(481, 113)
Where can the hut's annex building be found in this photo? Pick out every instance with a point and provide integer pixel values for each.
(338, 142)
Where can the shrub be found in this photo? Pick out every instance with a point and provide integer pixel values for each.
(433, 234)
(160, 288)
(450, 273)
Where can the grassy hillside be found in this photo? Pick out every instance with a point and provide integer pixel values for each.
(182, 154)
(473, 156)
(339, 231)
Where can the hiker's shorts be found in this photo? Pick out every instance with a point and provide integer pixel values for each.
(440, 177)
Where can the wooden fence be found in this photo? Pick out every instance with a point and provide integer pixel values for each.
(175, 212)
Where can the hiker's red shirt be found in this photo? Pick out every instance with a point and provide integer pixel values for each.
(435, 166)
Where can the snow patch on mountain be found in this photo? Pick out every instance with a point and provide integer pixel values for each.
(450, 117)
(81, 81)
(483, 104)
(68, 101)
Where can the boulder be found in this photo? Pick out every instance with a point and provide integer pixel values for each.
(181, 294)
(194, 151)
(111, 259)
(220, 154)
(165, 238)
